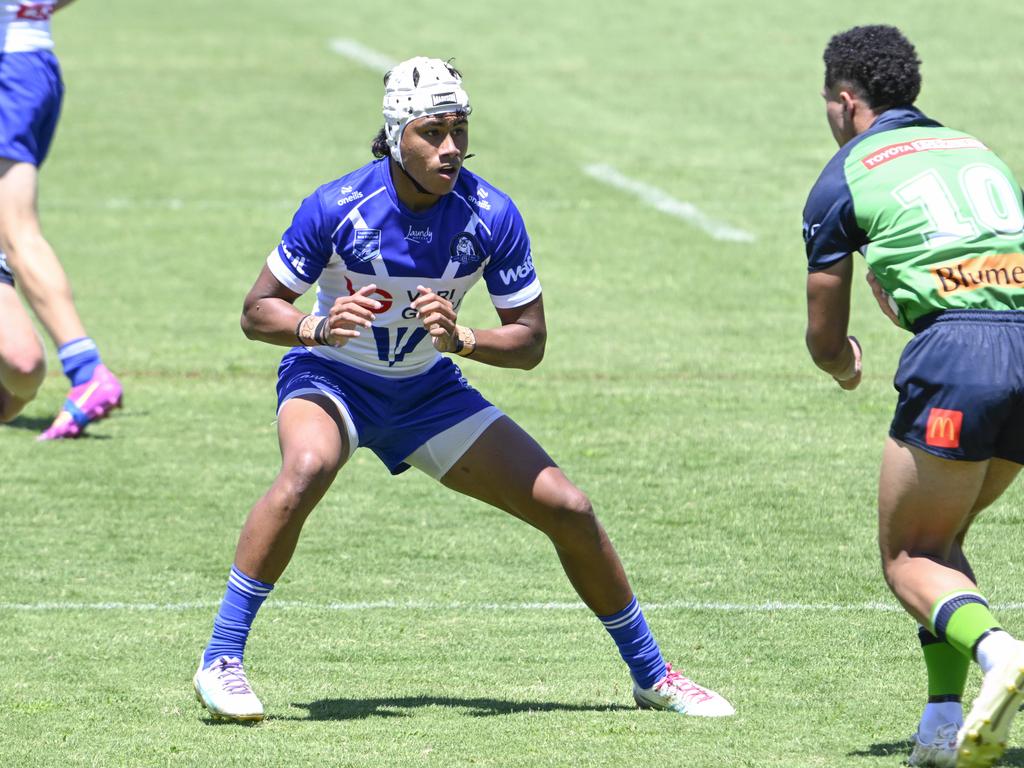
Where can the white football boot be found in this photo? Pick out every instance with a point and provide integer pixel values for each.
(982, 738)
(677, 693)
(939, 752)
(224, 690)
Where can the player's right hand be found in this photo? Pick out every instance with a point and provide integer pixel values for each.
(350, 313)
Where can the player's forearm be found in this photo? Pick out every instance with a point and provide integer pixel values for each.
(828, 315)
(510, 346)
(272, 320)
(831, 353)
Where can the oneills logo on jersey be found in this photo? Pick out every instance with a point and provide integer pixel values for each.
(480, 199)
(997, 270)
(891, 152)
(444, 98)
(35, 11)
(466, 250)
(943, 430)
(365, 244)
(348, 196)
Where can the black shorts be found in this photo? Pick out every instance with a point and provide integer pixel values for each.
(961, 385)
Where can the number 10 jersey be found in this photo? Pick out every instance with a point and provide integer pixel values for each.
(937, 215)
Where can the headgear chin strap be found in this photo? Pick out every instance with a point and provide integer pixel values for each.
(416, 88)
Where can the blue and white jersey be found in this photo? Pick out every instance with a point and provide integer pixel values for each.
(25, 26)
(354, 231)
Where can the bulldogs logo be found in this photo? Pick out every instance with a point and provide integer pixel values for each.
(466, 249)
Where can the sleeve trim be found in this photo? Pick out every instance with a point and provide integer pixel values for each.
(284, 274)
(519, 298)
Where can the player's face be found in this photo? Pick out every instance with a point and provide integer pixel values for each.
(433, 149)
(839, 114)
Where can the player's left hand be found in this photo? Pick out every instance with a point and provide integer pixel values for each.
(852, 381)
(438, 316)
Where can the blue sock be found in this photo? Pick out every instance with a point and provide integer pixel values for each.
(242, 599)
(79, 359)
(637, 647)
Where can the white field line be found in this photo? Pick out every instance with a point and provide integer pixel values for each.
(457, 607)
(664, 202)
(360, 54)
(652, 196)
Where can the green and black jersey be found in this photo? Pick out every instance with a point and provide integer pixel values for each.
(936, 214)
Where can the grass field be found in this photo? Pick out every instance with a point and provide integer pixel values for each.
(411, 628)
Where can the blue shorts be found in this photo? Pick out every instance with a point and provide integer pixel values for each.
(31, 92)
(961, 385)
(392, 417)
(6, 276)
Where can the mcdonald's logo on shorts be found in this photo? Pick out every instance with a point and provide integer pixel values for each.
(943, 430)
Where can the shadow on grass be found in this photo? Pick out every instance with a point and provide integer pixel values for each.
(1012, 757)
(883, 749)
(38, 424)
(358, 709)
(31, 423)
(207, 719)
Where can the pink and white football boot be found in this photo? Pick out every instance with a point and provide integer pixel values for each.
(678, 693)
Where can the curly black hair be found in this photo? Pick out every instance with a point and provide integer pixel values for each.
(878, 61)
(380, 147)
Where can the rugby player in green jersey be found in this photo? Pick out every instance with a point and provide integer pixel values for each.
(938, 218)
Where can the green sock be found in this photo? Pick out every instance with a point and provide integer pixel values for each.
(962, 619)
(947, 668)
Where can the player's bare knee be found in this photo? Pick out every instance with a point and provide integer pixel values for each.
(23, 372)
(576, 504)
(574, 517)
(309, 470)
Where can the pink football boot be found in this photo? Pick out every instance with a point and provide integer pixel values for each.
(86, 403)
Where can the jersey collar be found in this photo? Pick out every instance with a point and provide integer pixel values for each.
(898, 117)
(431, 212)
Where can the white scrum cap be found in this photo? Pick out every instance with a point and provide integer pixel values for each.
(415, 88)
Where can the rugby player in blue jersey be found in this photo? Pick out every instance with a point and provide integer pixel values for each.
(939, 220)
(394, 246)
(30, 98)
